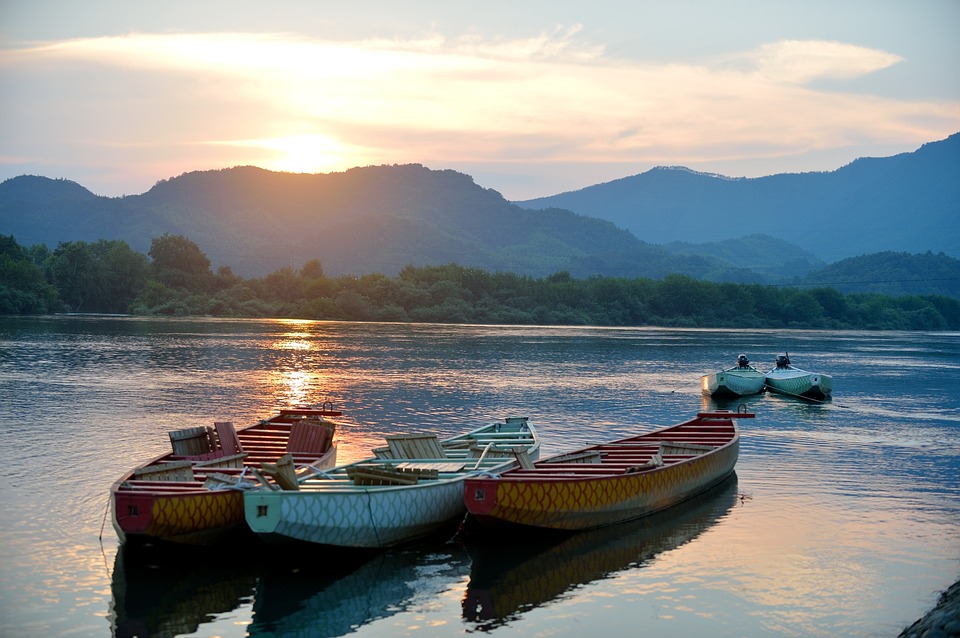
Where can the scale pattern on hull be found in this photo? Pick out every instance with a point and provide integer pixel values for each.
(816, 386)
(584, 504)
(196, 513)
(734, 383)
(362, 518)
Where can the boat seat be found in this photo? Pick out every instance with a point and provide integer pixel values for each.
(415, 446)
(175, 471)
(192, 441)
(442, 466)
(382, 475)
(523, 458)
(591, 456)
(283, 473)
(227, 436)
(310, 436)
(682, 447)
(222, 461)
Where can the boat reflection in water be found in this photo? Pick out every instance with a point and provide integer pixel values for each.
(308, 603)
(169, 592)
(159, 592)
(509, 578)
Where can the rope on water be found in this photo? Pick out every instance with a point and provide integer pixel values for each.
(103, 523)
(770, 388)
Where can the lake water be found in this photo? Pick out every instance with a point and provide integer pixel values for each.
(843, 517)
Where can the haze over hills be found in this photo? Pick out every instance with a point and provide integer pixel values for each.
(373, 219)
(909, 202)
(382, 218)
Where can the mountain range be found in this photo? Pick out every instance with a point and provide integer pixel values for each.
(909, 202)
(382, 218)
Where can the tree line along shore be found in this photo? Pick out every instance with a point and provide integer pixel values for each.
(175, 279)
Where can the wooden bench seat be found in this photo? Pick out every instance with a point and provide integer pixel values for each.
(163, 486)
(441, 466)
(370, 475)
(173, 471)
(415, 446)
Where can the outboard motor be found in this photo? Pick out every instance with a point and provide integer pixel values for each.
(783, 361)
(742, 361)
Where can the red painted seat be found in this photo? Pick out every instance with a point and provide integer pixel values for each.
(229, 443)
(310, 436)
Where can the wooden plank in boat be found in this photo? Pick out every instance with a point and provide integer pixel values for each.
(175, 471)
(442, 466)
(282, 472)
(415, 446)
(683, 447)
(381, 476)
(232, 461)
(191, 441)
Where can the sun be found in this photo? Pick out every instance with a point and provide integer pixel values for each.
(308, 153)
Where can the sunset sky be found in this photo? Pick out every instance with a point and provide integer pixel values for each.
(530, 98)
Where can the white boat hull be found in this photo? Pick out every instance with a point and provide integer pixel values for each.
(733, 382)
(407, 492)
(800, 383)
(374, 517)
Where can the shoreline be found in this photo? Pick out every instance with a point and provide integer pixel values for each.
(943, 621)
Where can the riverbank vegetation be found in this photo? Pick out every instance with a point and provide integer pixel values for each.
(175, 278)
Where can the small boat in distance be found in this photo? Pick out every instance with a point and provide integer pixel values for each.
(193, 494)
(740, 380)
(611, 482)
(784, 378)
(407, 491)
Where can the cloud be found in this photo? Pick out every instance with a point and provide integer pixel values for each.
(802, 61)
(229, 99)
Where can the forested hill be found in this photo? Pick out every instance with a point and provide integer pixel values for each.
(905, 203)
(379, 219)
(364, 220)
(891, 273)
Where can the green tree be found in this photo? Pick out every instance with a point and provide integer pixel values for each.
(179, 263)
(313, 269)
(23, 287)
(283, 285)
(75, 271)
(105, 276)
(124, 275)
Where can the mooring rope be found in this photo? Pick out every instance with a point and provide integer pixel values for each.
(769, 388)
(103, 523)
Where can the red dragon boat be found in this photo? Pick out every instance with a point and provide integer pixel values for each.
(194, 493)
(612, 482)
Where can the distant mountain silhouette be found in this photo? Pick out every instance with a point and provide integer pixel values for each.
(364, 220)
(909, 202)
(379, 219)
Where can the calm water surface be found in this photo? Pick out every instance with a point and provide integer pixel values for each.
(843, 517)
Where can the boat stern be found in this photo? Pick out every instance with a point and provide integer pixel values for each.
(132, 514)
(480, 496)
(261, 509)
(198, 518)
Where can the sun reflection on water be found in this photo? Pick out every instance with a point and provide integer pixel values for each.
(300, 375)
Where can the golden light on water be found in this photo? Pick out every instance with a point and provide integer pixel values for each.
(297, 386)
(301, 377)
(295, 342)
